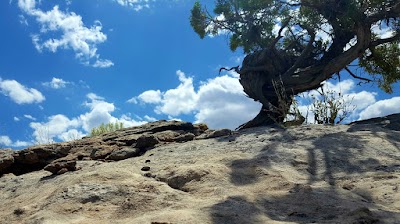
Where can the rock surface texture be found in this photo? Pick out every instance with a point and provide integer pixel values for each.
(177, 172)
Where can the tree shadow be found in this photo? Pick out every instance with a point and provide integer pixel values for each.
(338, 153)
(302, 205)
(329, 158)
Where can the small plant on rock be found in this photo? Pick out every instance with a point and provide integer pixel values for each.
(331, 107)
(106, 128)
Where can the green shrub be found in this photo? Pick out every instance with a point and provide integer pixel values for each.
(331, 107)
(106, 128)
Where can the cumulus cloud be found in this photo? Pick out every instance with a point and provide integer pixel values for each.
(54, 127)
(56, 83)
(181, 100)
(75, 35)
(70, 135)
(381, 108)
(27, 5)
(136, 5)
(19, 144)
(101, 112)
(220, 102)
(19, 93)
(59, 127)
(150, 96)
(7, 142)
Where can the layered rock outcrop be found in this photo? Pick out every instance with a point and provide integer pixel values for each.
(122, 144)
(302, 174)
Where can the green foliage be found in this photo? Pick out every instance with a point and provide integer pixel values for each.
(383, 62)
(250, 21)
(198, 20)
(106, 128)
(287, 27)
(330, 107)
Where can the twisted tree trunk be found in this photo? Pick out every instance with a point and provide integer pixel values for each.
(297, 74)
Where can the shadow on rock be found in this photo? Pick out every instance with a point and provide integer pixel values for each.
(327, 158)
(302, 204)
(235, 210)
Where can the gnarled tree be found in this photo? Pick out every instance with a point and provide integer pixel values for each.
(302, 43)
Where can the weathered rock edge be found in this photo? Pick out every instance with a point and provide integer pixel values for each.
(125, 143)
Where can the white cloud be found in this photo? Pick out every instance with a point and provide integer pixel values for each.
(382, 32)
(222, 103)
(219, 102)
(27, 5)
(362, 99)
(181, 100)
(20, 144)
(74, 34)
(132, 100)
(56, 83)
(55, 126)
(381, 108)
(70, 135)
(127, 121)
(149, 119)
(6, 141)
(60, 127)
(136, 5)
(100, 63)
(150, 96)
(100, 112)
(19, 93)
(16, 119)
(23, 20)
(30, 117)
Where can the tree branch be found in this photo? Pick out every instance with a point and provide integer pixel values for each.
(303, 55)
(236, 68)
(309, 78)
(284, 25)
(357, 77)
(386, 40)
(391, 12)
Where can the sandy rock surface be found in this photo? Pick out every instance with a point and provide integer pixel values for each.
(305, 174)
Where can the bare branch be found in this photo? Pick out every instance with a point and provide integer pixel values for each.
(284, 25)
(236, 68)
(357, 77)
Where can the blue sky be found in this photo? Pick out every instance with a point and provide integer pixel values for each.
(68, 66)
